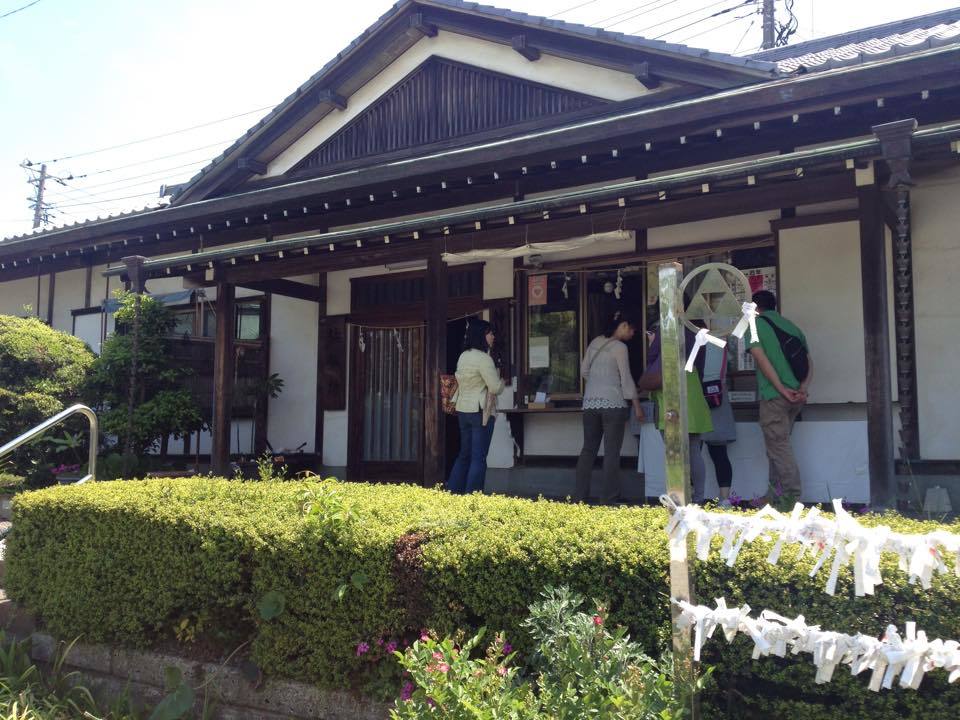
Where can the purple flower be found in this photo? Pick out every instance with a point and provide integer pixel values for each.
(865, 510)
(362, 649)
(391, 647)
(507, 648)
(406, 692)
(735, 499)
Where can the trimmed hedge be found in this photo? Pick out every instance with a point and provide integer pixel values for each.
(128, 561)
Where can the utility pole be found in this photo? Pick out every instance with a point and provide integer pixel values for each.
(769, 21)
(38, 206)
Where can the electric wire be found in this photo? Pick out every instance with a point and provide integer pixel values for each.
(149, 161)
(14, 12)
(715, 27)
(716, 14)
(684, 15)
(660, 5)
(571, 9)
(152, 137)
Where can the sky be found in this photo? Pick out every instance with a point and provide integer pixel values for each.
(78, 77)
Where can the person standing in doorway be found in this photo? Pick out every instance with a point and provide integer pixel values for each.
(478, 384)
(784, 374)
(721, 414)
(609, 393)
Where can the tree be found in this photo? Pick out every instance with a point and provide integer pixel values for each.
(42, 371)
(163, 405)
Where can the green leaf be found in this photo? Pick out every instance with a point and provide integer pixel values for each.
(172, 677)
(271, 605)
(358, 579)
(340, 592)
(175, 705)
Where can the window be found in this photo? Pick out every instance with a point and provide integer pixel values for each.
(183, 322)
(248, 320)
(553, 333)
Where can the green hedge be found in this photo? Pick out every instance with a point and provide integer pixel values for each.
(127, 562)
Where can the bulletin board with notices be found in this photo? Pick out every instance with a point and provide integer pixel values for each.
(761, 278)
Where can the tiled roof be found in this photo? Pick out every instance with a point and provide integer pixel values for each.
(747, 64)
(868, 44)
(50, 229)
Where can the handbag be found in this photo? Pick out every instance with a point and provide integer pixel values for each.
(449, 389)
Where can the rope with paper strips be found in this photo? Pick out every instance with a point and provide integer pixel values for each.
(842, 537)
(772, 634)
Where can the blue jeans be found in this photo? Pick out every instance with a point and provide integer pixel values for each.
(471, 464)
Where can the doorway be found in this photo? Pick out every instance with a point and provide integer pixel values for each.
(387, 391)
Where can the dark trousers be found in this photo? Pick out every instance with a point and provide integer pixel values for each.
(470, 466)
(606, 425)
(721, 463)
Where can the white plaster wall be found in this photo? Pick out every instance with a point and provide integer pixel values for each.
(548, 70)
(15, 294)
(68, 292)
(832, 456)
(936, 267)
(727, 228)
(294, 324)
(498, 279)
(820, 291)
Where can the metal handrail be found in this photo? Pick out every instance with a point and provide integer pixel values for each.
(58, 418)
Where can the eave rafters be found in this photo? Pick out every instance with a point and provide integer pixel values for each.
(725, 178)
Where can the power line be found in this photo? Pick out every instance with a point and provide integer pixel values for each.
(680, 17)
(660, 5)
(156, 137)
(744, 36)
(14, 12)
(716, 14)
(161, 172)
(717, 27)
(571, 9)
(220, 143)
(110, 200)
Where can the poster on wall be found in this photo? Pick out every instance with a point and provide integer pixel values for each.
(762, 278)
(537, 290)
(539, 352)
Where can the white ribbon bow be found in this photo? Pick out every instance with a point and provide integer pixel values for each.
(749, 319)
(703, 337)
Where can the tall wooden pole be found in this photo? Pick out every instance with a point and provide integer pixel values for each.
(677, 442)
(134, 267)
(436, 359)
(223, 363)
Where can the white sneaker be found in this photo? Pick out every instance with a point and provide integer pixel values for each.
(725, 504)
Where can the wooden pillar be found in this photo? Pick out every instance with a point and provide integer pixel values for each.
(435, 345)
(321, 384)
(223, 366)
(876, 342)
(677, 442)
(896, 143)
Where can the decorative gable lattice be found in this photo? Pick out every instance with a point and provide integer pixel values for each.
(442, 100)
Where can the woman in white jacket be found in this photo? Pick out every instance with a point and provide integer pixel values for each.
(478, 384)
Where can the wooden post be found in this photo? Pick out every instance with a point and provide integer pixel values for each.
(876, 342)
(435, 362)
(321, 380)
(223, 364)
(677, 442)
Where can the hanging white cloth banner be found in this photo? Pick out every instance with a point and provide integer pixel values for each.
(543, 248)
(908, 657)
(842, 537)
(703, 337)
(749, 319)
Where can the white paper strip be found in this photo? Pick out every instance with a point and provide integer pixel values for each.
(703, 337)
(891, 657)
(841, 538)
(749, 319)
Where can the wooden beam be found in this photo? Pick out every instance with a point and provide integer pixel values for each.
(287, 288)
(252, 165)
(435, 345)
(826, 218)
(522, 46)
(641, 71)
(876, 339)
(329, 97)
(419, 27)
(223, 366)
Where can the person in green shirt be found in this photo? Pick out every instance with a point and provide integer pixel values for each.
(782, 394)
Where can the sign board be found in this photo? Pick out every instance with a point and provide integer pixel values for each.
(537, 290)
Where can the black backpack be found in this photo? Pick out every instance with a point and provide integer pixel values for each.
(793, 351)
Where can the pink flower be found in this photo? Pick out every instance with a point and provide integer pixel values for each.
(443, 667)
(391, 647)
(424, 635)
(379, 642)
(406, 692)
(438, 656)
(507, 648)
(501, 671)
(362, 649)
(597, 620)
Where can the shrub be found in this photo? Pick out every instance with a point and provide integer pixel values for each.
(163, 406)
(127, 562)
(41, 372)
(10, 483)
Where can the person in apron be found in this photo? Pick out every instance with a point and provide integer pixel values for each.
(721, 414)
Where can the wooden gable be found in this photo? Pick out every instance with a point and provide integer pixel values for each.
(443, 100)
